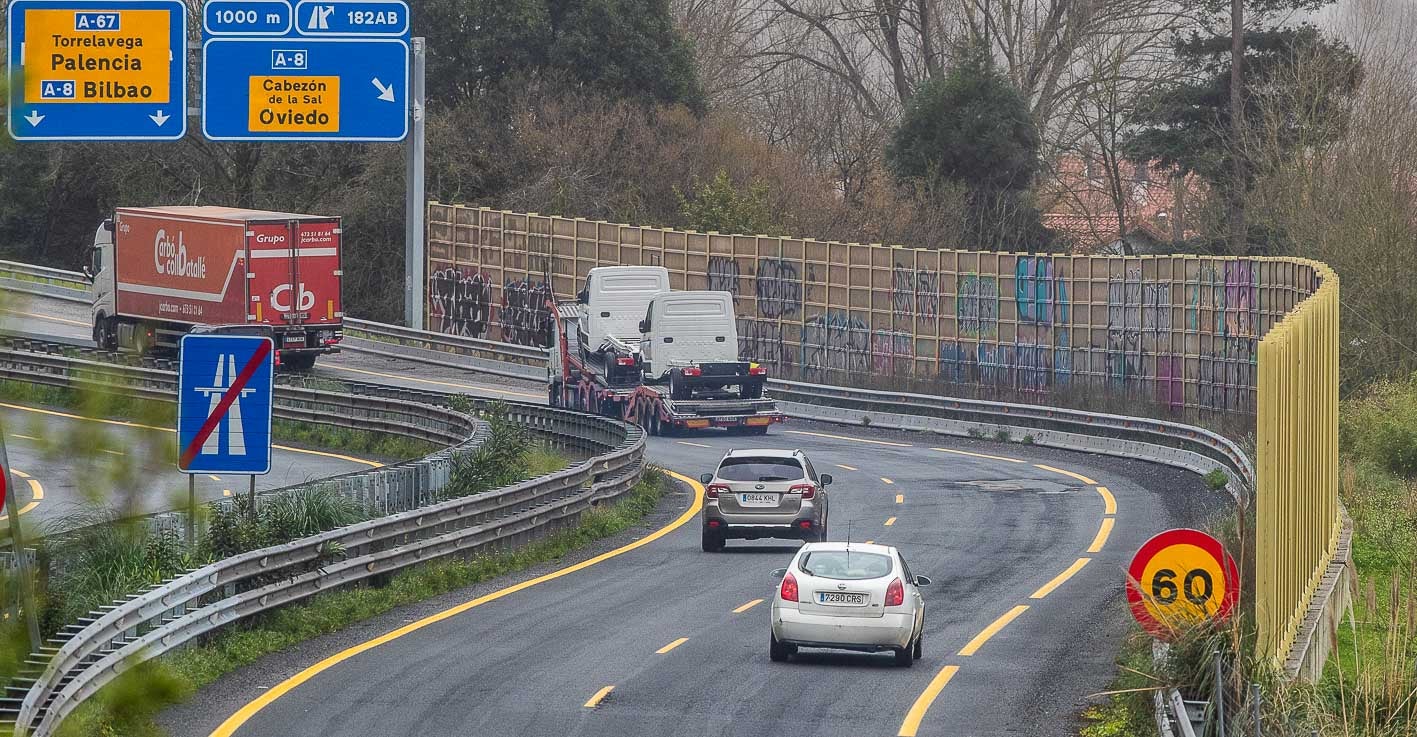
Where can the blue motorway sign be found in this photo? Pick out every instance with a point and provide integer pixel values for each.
(317, 70)
(224, 404)
(97, 70)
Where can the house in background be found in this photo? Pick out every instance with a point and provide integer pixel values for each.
(1082, 199)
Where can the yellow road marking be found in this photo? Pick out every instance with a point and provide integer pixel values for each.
(671, 646)
(245, 713)
(747, 606)
(431, 382)
(992, 630)
(1108, 501)
(696, 445)
(911, 725)
(1102, 533)
(113, 452)
(23, 437)
(899, 498)
(125, 423)
(36, 493)
(886, 480)
(870, 542)
(226, 492)
(1077, 476)
(1060, 579)
(978, 455)
(51, 318)
(214, 478)
(849, 468)
(598, 697)
(890, 521)
(854, 440)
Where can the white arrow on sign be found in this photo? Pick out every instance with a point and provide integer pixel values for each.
(34, 117)
(385, 93)
(160, 118)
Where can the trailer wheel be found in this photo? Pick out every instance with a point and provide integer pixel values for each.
(677, 388)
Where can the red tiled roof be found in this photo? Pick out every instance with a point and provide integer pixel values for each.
(1077, 201)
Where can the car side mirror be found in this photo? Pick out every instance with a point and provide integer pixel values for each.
(583, 297)
(779, 572)
(88, 274)
(706, 478)
(644, 326)
(923, 581)
(826, 479)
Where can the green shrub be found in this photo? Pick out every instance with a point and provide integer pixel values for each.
(1217, 479)
(1381, 426)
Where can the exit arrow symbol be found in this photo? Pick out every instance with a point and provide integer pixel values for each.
(160, 118)
(385, 93)
(34, 117)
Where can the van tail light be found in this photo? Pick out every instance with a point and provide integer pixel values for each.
(713, 490)
(788, 592)
(625, 361)
(807, 491)
(692, 371)
(895, 593)
(758, 371)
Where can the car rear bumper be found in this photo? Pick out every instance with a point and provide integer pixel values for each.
(786, 527)
(890, 630)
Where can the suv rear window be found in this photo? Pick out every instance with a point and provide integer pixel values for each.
(748, 468)
(845, 566)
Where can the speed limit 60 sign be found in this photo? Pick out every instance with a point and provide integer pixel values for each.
(1181, 577)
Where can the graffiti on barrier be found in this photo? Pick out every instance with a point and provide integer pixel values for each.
(779, 288)
(460, 302)
(526, 316)
(977, 306)
(761, 341)
(835, 342)
(892, 352)
(1170, 381)
(1040, 294)
(914, 292)
(1024, 367)
(1227, 375)
(1224, 300)
(724, 275)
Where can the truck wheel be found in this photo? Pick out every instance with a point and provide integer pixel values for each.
(553, 395)
(103, 336)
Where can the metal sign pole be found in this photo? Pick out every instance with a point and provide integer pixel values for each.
(17, 543)
(251, 497)
(191, 512)
(416, 205)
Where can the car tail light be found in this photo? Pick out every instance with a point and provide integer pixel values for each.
(758, 371)
(331, 341)
(805, 524)
(714, 524)
(692, 371)
(714, 490)
(895, 593)
(625, 361)
(788, 592)
(808, 491)
(277, 359)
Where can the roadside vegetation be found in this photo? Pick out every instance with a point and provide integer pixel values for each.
(128, 706)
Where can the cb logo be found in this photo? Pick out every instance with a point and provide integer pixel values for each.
(282, 303)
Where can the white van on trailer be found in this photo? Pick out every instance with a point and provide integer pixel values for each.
(684, 329)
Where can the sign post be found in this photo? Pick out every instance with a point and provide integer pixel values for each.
(94, 70)
(1181, 577)
(416, 206)
(225, 385)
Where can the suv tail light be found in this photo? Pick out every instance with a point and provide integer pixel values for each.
(788, 592)
(713, 490)
(692, 371)
(625, 361)
(808, 491)
(895, 593)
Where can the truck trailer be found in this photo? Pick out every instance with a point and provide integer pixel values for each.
(159, 272)
(679, 371)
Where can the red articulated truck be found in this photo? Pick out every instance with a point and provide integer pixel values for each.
(159, 272)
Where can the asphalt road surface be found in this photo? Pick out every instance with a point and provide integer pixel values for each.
(1027, 548)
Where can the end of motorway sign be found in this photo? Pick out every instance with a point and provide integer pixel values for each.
(93, 70)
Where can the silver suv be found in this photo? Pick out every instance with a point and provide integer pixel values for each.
(764, 493)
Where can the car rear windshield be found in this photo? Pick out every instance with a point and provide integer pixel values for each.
(760, 469)
(845, 565)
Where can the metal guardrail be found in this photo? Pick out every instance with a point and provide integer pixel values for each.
(71, 286)
(173, 613)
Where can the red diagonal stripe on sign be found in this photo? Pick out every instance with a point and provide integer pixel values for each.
(232, 392)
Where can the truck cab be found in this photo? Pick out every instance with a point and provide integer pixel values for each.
(608, 311)
(683, 329)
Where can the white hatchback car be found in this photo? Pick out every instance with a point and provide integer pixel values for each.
(848, 596)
